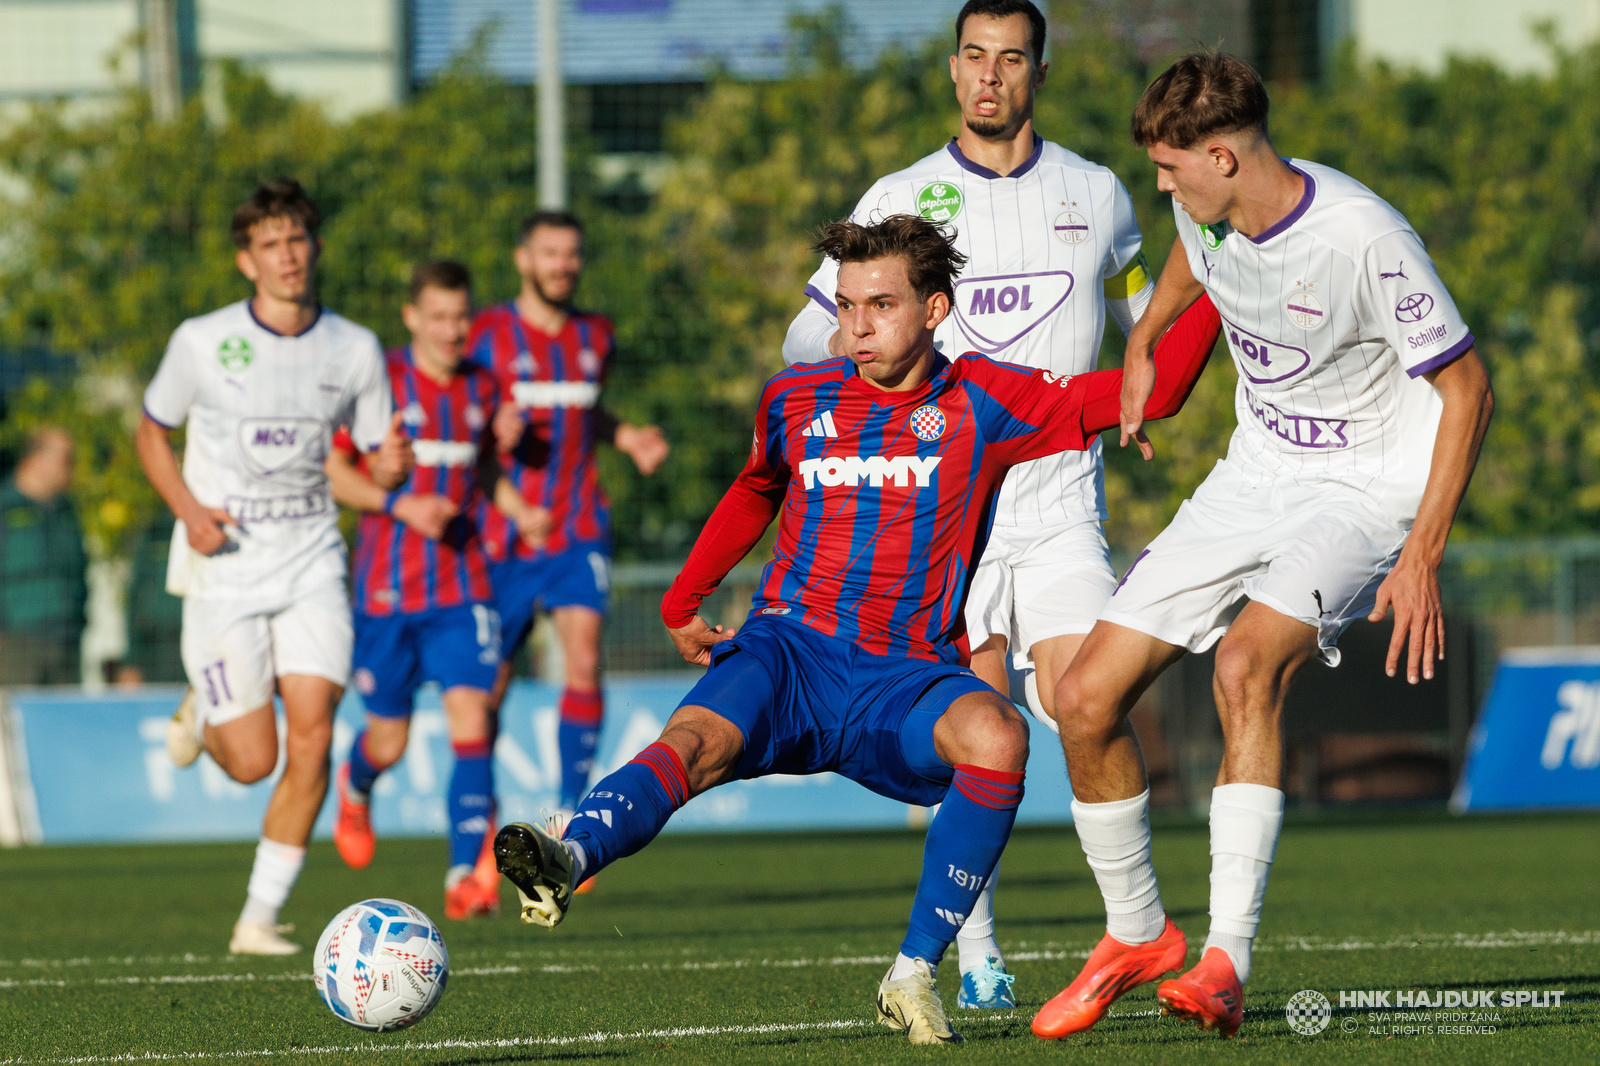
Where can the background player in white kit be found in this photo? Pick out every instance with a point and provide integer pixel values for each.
(256, 553)
(1051, 245)
(1361, 405)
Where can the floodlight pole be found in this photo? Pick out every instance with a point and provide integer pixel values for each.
(552, 109)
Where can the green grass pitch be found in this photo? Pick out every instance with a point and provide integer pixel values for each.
(769, 948)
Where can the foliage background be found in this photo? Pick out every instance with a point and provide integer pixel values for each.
(116, 229)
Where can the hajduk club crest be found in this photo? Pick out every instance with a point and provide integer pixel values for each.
(927, 422)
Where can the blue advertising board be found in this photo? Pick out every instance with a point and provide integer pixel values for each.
(1537, 742)
(98, 770)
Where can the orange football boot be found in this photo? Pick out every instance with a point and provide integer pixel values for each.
(352, 829)
(1209, 994)
(1113, 968)
(469, 899)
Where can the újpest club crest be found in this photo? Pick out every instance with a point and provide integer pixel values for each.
(927, 422)
(939, 202)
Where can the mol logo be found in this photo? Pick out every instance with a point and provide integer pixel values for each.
(1264, 361)
(875, 470)
(996, 312)
(1574, 733)
(272, 445)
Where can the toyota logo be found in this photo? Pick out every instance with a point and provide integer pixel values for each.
(1414, 308)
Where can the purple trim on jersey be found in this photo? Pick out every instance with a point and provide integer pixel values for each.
(984, 172)
(1293, 216)
(827, 305)
(250, 306)
(158, 421)
(1445, 358)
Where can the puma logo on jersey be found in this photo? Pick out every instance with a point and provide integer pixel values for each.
(821, 426)
(555, 393)
(851, 470)
(1304, 431)
(444, 452)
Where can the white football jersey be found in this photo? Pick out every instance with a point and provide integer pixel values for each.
(261, 409)
(1332, 315)
(1046, 245)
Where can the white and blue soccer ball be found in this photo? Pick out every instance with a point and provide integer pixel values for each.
(381, 965)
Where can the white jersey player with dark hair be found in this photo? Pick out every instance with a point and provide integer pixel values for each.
(1052, 248)
(1361, 407)
(256, 553)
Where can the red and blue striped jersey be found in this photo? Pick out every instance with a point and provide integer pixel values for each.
(555, 382)
(397, 569)
(884, 497)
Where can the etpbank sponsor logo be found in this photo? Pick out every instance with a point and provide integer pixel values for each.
(902, 471)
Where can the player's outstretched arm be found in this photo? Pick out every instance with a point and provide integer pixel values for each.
(204, 524)
(1412, 587)
(1180, 355)
(1175, 290)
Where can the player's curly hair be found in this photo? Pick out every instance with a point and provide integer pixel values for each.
(932, 262)
(1202, 95)
(283, 198)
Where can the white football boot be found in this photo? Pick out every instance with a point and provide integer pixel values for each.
(261, 938)
(912, 1006)
(184, 743)
(540, 864)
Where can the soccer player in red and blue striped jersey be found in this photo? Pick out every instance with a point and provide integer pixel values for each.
(882, 466)
(551, 361)
(424, 605)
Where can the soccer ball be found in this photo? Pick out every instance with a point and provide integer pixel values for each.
(381, 965)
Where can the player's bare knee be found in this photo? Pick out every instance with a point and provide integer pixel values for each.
(984, 730)
(1243, 681)
(248, 767)
(708, 745)
(1084, 708)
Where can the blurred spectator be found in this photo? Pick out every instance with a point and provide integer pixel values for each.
(155, 616)
(42, 566)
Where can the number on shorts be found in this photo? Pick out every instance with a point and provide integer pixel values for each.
(216, 678)
(488, 627)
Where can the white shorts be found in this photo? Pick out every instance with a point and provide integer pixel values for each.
(1033, 584)
(234, 654)
(1316, 553)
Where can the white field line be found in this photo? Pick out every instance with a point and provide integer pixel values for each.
(475, 1045)
(1421, 941)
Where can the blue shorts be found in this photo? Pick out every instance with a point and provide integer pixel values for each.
(396, 653)
(577, 577)
(809, 703)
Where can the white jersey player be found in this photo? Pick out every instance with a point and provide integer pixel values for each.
(1052, 247)
(261, 385)
(1361, 407)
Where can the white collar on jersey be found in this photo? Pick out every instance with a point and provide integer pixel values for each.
(984, 172)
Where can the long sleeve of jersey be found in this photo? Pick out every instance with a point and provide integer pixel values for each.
(1035, 413)
(807, 339)
(743, 515)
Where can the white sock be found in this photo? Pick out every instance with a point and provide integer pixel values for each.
(1245, 822)
(580, 862)
(904, 966)
(273, 875)
(1116, 840)
(975, 941)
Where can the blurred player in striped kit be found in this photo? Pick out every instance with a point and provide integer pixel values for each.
(1052, 247)
(551, 550)
(424, 608)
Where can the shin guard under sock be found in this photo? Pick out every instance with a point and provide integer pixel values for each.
(626, 809)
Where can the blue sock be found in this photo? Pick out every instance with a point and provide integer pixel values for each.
(363, 771)
(578, 736)
(964, 844)
(471, 793)
(628, 808)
